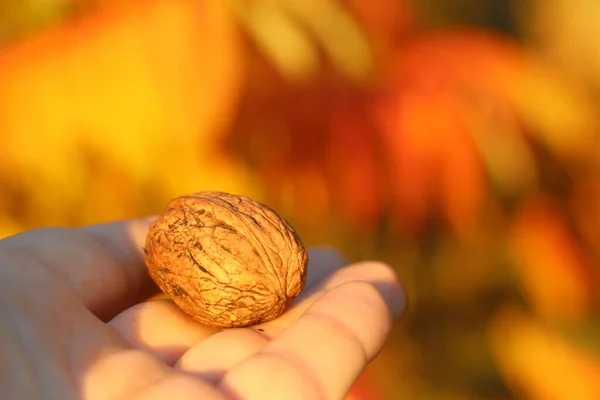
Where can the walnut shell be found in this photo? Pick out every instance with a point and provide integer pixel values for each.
(225, 259)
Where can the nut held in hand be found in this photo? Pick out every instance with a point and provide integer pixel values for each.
(226, 260)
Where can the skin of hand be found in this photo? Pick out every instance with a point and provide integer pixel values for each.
(74, 324)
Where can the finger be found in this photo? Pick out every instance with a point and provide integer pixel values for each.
(134, 374)
(180, 387)
(322, 261)
(377, 274)
(117, 374)
(213, 357)
(161, 328)
(127, 277)
(102, 263)
(327, 348)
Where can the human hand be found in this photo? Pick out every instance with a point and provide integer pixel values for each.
(74, 324)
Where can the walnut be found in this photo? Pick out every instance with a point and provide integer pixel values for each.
(225, 259)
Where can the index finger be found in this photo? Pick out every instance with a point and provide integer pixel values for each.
(102, 263)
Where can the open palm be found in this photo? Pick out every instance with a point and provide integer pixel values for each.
(74, 324)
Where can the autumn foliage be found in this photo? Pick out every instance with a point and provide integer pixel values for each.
(463, 154)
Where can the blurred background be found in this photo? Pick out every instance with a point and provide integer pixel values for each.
(455, 139)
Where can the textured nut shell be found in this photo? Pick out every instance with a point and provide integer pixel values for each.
(226, 260)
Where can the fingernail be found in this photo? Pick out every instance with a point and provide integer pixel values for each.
(396, 298)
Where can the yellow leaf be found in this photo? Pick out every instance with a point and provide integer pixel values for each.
(147, 85)
(539, 362)
(290, 33)
(282, 40)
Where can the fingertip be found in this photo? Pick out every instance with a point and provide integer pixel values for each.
(326, 254)
(333, 341)
(122, 280)
(387, 282)
(127, 234)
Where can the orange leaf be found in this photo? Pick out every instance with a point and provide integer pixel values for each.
(382, 19)
(463, 182)
(435, 161)
(354, 167)
(585, 206)
(478, 62)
